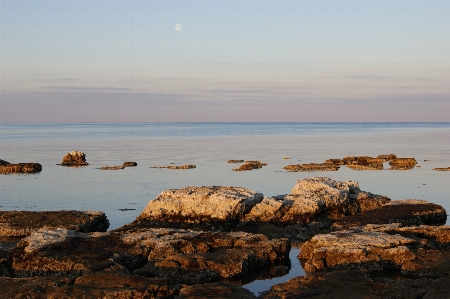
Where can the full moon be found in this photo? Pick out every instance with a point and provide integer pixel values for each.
(178, 27)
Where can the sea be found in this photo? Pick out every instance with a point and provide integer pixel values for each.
(123, 194)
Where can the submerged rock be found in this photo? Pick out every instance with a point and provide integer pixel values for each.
(23, 223)
(189, 166)
(250, 165)
(20, 168)
(442, 169)
(112, 167)
(74, 158)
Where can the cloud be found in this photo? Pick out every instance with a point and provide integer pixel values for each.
(83, 88)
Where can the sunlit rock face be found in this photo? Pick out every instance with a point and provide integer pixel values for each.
(74, 158)
(6, 168)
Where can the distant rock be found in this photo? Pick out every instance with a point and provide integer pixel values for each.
(23, 223)
(235, 161)
(442, 169)
(74, 158)
(402, 163)
(112, 167)
(3, 162)
(20, 168)
(312, 167)
(250, 165)
(129, 164)
(335, 161)
(189, 166)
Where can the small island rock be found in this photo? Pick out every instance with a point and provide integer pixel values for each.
(74, 158)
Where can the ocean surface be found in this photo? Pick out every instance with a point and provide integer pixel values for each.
(209, 146)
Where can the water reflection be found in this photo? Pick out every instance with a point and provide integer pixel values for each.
(259, 286)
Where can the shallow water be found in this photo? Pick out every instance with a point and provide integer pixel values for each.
(209, 146)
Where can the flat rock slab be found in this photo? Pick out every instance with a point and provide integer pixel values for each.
(420, 251)
(312, 167)
(407, 212)
(20, 168)
(23, 223)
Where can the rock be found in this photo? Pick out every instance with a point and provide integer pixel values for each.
(442, 169)
(74, 158)
(218, 290)
(201, 205)
(23, 223)
(129, 164)
(250, 165)
(387, 157)
(335, 161)
(312, 167)
(3, 162)
(112, 167)
(366, 166)
(175, 167)
(407, 212)
(419, 251)
(20, 168)
(235, 161)
(402, 163)
(315, 197)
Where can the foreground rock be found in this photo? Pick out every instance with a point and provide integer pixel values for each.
(6, 168)
(312, 167)
(416, 251)
(210, 206)
(23, 223)
(74, 158)
(250, 165)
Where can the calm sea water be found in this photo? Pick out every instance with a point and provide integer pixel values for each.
(209, 146)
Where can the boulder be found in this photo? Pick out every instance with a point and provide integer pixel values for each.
(315, 197)
(201, 205)
(250, 165)
(23, 223)
(129, 164)
(20, 168)
(74, 158)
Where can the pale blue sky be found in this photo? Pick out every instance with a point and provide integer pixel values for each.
(64, 61)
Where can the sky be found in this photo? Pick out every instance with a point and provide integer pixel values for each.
(129, 61)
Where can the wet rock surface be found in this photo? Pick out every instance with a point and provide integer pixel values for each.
(112, 167)
(74, 158)
(7, 168)
(129, 164)
(188, 166)
(312, 167)
(250, 165)
(442, 169)
(402, 163)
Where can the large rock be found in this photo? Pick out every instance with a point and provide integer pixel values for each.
(6, 168)
(314, 197)
(198, 205)
(402, 163)
(74, 158)
(420, 251)
(250, 165)
(23, 223)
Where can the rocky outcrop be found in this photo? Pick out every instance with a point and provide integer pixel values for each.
(402, 163)
(112, 167)
(129, 164)
(23, 223)
(20, 168)
(312, 167)
(219, 290)
(250, 165)
(406, 212)
(315, 197)
(420, 251)
(74, 158)
(3, 162)
(213, 205)
(235, 161)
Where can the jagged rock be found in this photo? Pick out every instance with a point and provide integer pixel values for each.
(313, 197)
(74, 158)
(387, 157)
(442, 169)
(129, 164)
(335, 161)
(112, 167)
(250, 165)
(312, 167)
(235, 161)
(402, 163)
(407, 212)
(20, 168)
(213, 204)
(414, 251)
(3, 162)
(23, 223)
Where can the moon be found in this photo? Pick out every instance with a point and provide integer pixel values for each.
(178, 27)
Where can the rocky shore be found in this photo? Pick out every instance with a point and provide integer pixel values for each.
(206, 242)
